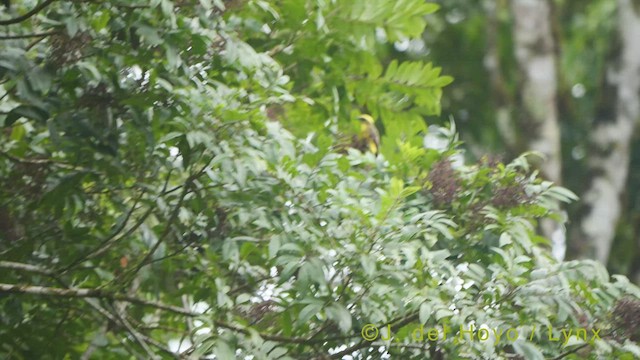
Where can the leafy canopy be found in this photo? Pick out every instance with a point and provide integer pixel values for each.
(160, 195)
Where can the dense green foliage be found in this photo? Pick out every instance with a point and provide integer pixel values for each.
(169, 183)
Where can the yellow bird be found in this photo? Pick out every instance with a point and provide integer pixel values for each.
(369, 138)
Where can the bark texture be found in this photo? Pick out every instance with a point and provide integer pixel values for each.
(535, 50)
(536, 56)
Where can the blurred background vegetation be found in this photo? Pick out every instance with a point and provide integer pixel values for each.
(475, 42)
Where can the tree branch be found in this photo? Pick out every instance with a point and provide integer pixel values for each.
(24, 267)
(116, 319)
(26, 36)
(107, 242)
(147, 259)
(94, 303)
(27, 15)
(100, 294)
(88, 293)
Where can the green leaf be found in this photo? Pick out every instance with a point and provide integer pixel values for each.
(311, 272)
(425, 312)
(149, 34)
(308, 312)
(274, 246)
(339, 315)
(223, 350)
(25, 111)
(72, 26)
(100, 20)
(40, 80)
(528, 350)
(368, 264)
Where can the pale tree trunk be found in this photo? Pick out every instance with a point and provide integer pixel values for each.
(535, 51)
(610, 143)
(536, 56)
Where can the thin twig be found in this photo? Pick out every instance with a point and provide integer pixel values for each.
(107, 243)
(139, 338)
(174, 215)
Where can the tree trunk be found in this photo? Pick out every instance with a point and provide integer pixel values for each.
(610, 143)
(535, 50)
(502, 99)
(536, 56)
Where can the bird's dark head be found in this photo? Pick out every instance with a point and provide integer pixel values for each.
(366, 118)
